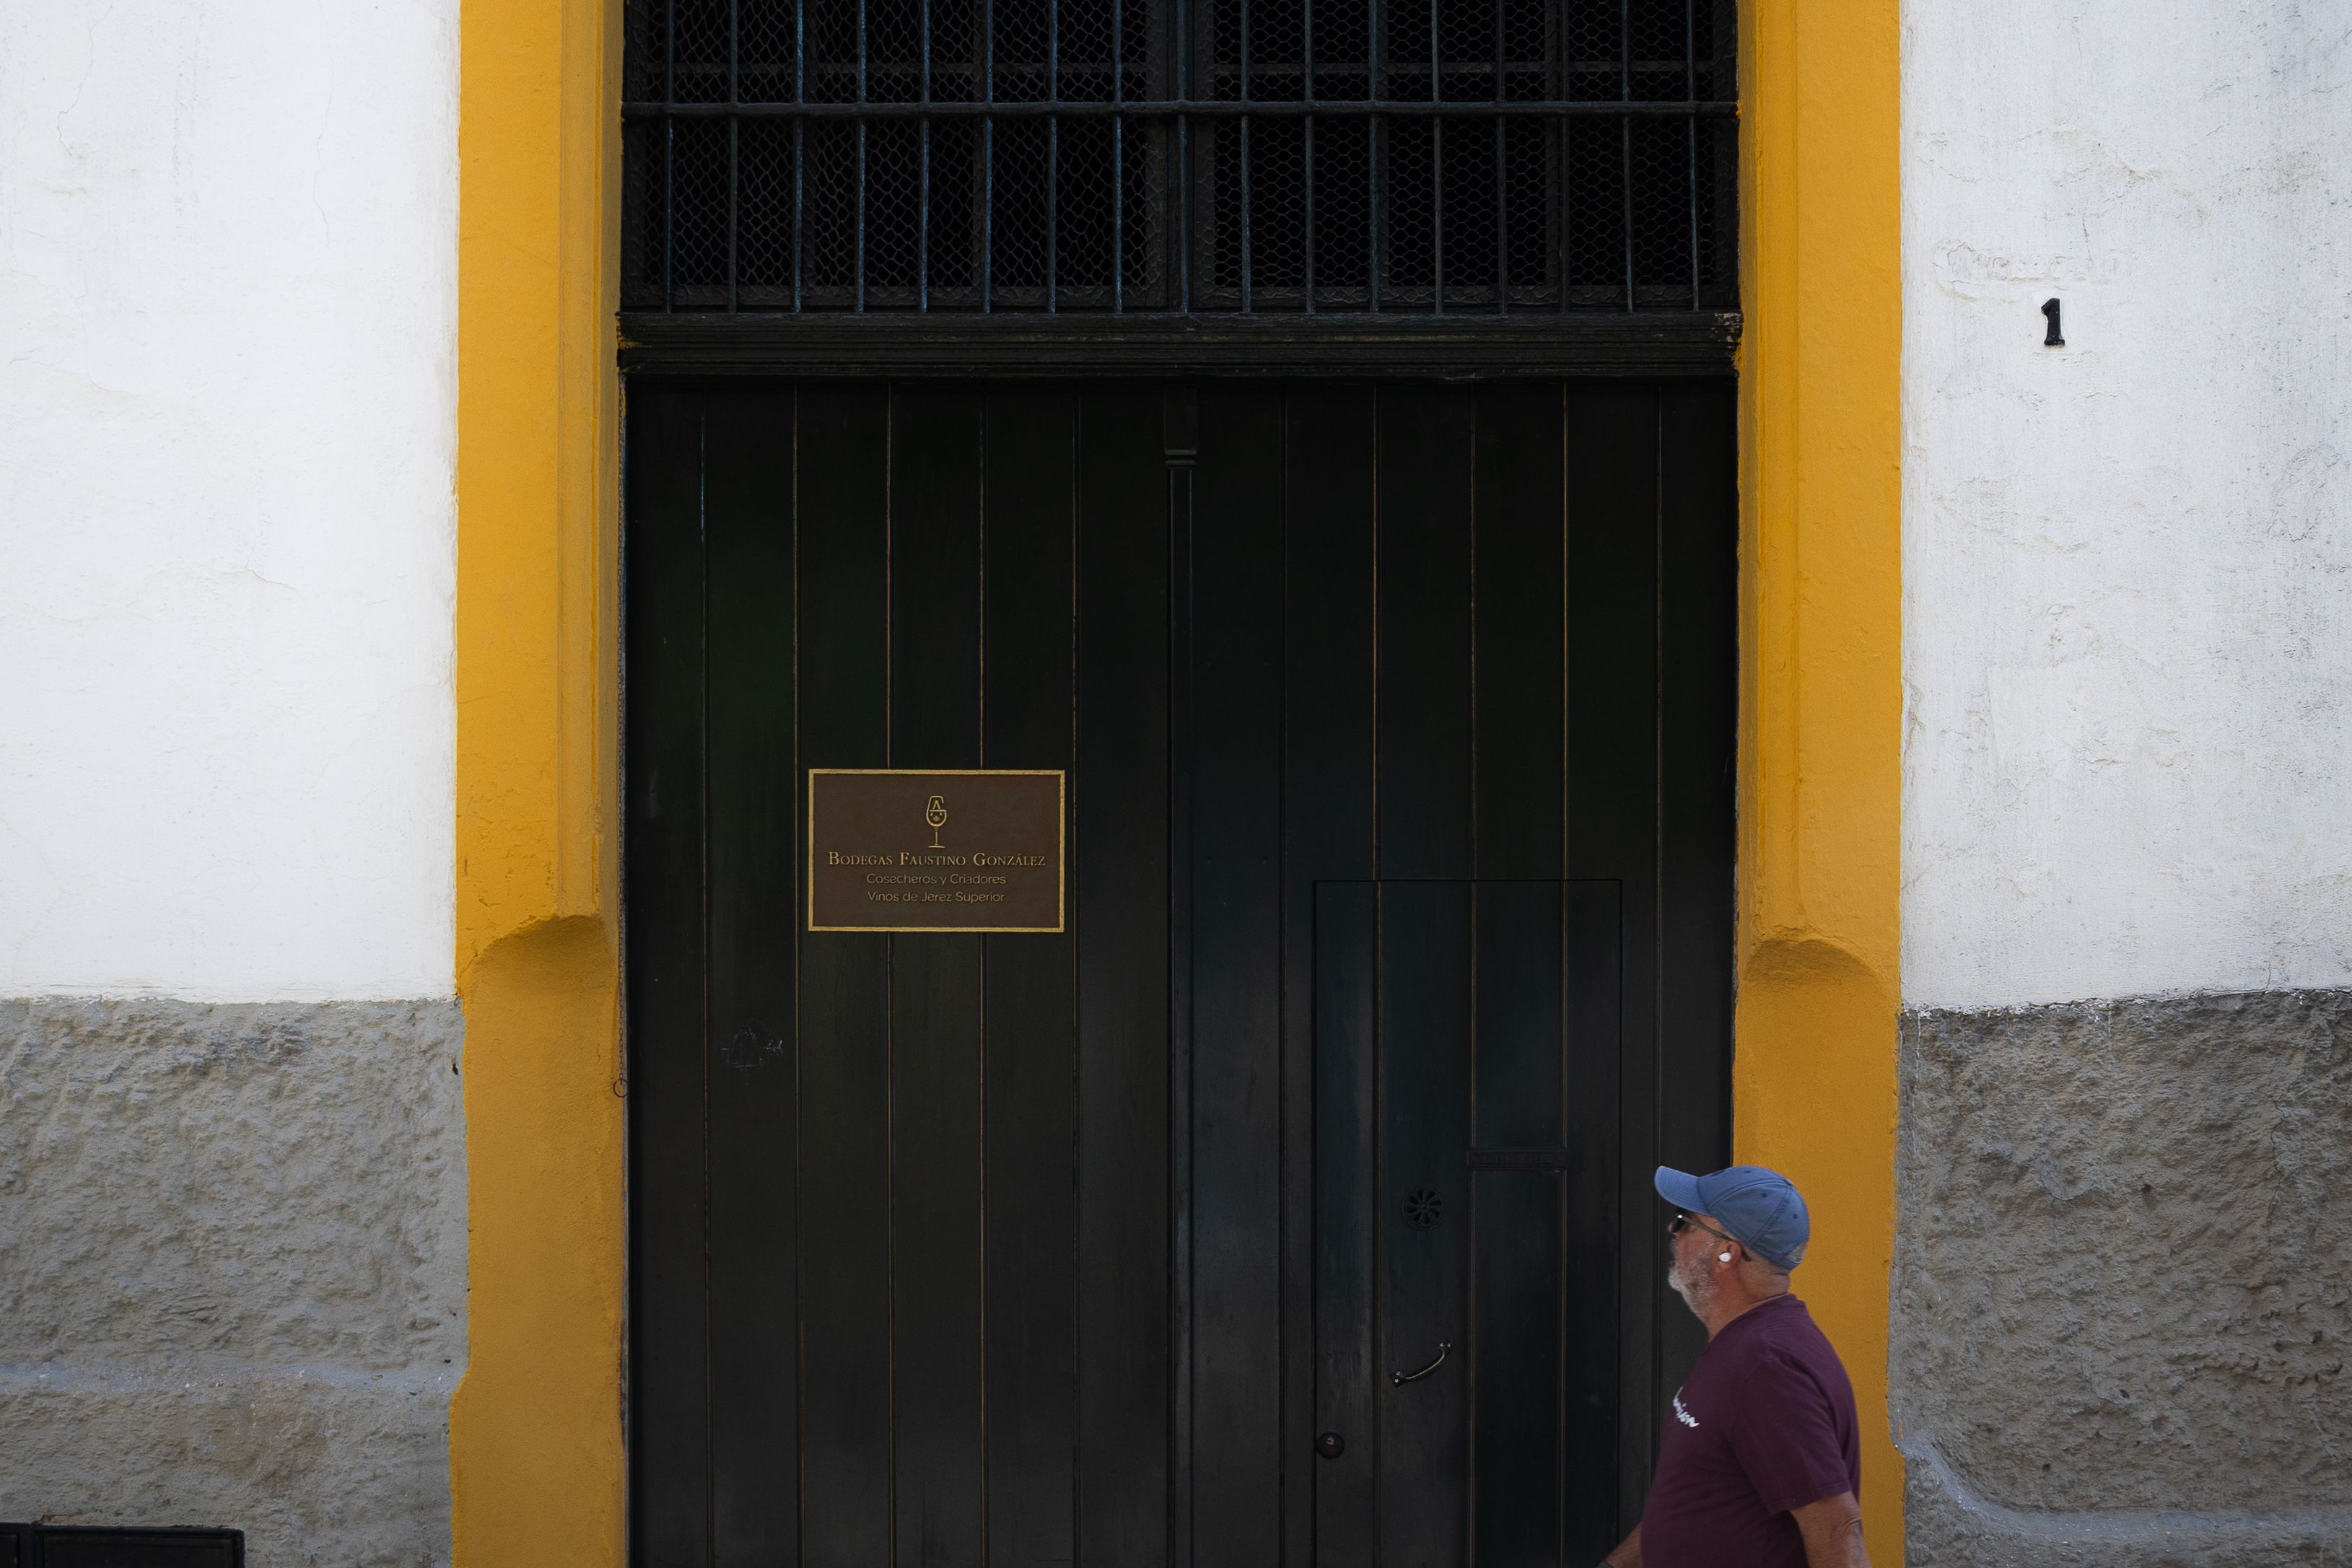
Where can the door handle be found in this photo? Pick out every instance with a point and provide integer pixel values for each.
(1402, 1378)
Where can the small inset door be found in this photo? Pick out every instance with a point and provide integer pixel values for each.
(1467, 1176)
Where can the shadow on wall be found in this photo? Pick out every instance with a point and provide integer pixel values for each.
(2121, 1310)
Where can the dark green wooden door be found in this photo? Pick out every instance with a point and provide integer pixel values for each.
(1010, 1248)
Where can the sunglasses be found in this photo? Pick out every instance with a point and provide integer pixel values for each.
(1683, 1221)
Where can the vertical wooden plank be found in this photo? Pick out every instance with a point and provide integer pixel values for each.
(1611, 595)
(1326, 835)
(1425, 697)
(670, 1518)
(1427, 828)
(1119, 804)
(752, 874)
(1179, 436)
(1519, 1418)
(935, 990)
(935, 581)
(1348, 1494)
(1598, 1356)
(844, 1034)
(1518, 652)
(1030, 1040)
(1698, 691)
(1425, 1027)
(1235, 941)
(1518, 1257)
(1697, 732)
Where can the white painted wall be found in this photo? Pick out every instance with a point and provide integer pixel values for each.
(227, 319)
(2127, 641)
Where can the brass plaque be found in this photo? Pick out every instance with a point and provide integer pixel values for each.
(901, 849)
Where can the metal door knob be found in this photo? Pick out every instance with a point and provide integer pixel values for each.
(1330, 1445)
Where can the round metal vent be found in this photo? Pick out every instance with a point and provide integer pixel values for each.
(1424, 1207)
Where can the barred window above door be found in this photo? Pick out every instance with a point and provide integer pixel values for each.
(1414, 158)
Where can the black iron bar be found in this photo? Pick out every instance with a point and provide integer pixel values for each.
(1625, 135)
(1325, 70)
(1191, 108)
(734, 148)
(1502, 219)
(887, 71)
(923, 200)
(1373, 94)
(1248, 238)
(669, 218)
(863, 54)
(1690, 136)
(988, 157)
(800, 152)
(1307, 152)
(1182, 239)
(1052, 158)
(1562, 233)
(669, 168)
(1118, 160)
(1502, 171)
(1436, 173)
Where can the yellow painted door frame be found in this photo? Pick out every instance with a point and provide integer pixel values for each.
(1821, 698)
(537, 1461)
(537, 1465)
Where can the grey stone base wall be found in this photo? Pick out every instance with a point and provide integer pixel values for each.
(2122, 1302)
(233, 1271)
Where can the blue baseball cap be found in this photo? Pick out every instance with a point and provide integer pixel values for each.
(1763, 1209)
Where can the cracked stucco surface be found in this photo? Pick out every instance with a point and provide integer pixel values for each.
(232, 1269)
(2127, 560)
(2120, 1292)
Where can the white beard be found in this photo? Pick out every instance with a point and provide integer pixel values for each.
(1697, 1293)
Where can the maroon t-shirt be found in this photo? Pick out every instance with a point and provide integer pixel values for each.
(1765, 1424)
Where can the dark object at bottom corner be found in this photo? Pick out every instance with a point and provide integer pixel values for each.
(74, 1546)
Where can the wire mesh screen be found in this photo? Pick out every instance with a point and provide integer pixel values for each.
(1178, 157)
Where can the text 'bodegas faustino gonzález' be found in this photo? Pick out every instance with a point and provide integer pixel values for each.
(910, 850)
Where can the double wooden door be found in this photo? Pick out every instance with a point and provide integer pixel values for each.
(1397, 721)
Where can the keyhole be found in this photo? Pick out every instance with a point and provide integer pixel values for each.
(2051, 339)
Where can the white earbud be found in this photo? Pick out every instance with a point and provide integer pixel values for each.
(1723, 1257)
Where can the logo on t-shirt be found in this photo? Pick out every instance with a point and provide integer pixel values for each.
(1685, 1417)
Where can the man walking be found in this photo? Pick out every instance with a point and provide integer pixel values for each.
(1761, 1462)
